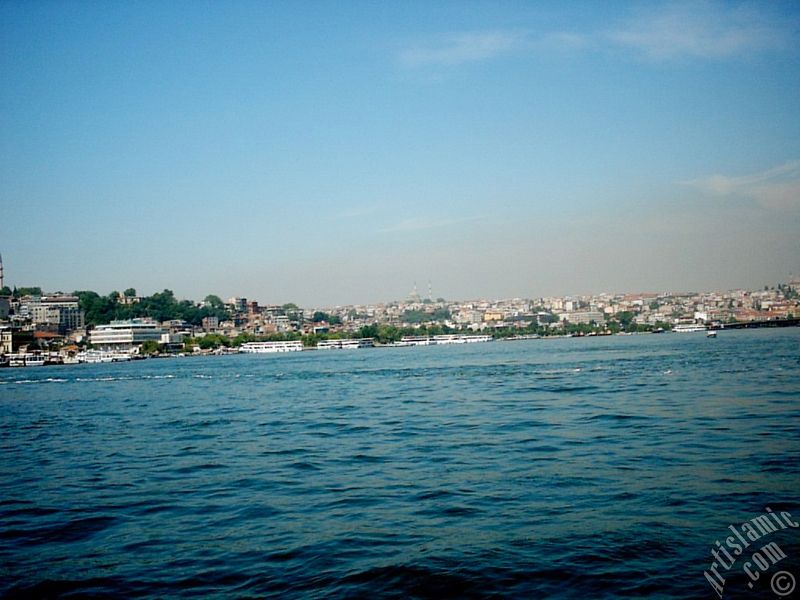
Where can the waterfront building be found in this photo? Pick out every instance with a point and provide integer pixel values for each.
(282, 323)
(64, 312)
(5, 307)
(125, 336)
(6, 340)
(125, 300)
(237, 305)
(584, 317)
(178, 326)
(210, 324)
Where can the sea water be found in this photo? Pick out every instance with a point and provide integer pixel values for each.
(594, 467)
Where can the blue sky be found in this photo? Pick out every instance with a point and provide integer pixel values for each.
(331, 153)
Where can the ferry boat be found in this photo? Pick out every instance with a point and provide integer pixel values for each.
(689, 328)
(102, 356)
(25, 360)
(350, 344)
(458, 338)
(440, 340)
(271, 347)
(414, 340)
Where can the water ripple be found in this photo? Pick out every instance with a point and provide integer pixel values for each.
(593, 468)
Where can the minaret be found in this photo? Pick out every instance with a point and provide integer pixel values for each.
(430, 291)
(414, 297)
(2, 283)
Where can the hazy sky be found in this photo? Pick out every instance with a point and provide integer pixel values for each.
(337, 152)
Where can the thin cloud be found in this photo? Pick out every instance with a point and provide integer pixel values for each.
(459, 48)
(661, 33)
(566, 41)
(423, 223)
(360, 211)
(700, 30)
(777, 188)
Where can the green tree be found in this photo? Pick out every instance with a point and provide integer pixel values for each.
(214, 301)
(149, 347)
(625, 318)
(243, 338)
(212, 341)
(368, 331)
(27, 291)
(130, 293)
(388, 334)
(415, 316)
(441, 314)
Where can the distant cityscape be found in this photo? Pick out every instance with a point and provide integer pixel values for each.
(62, 326)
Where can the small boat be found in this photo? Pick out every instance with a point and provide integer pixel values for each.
(34, 360)
(711, 334)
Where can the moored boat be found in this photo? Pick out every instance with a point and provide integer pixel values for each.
(25, 360)
(689, 328)
(346, 344)
(102, 356)
(271, 347)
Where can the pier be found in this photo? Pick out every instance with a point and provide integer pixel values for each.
(793, 322)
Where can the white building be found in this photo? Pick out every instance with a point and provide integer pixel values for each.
(6, 340)
(125, 336)
(583, 317)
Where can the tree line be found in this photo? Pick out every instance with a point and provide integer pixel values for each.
(161, 306)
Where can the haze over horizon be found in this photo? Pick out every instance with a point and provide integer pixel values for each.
(335, 154)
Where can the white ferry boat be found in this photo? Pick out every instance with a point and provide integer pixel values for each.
(271, 347)
(102, 356)
(25, 360)
(414, 340)
(457, 338)
(439, 340)
(352, 344)
(689, 328)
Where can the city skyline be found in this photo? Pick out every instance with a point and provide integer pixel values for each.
(331, 155)
(417, 295)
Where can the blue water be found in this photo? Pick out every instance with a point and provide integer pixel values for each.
(594, 467)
